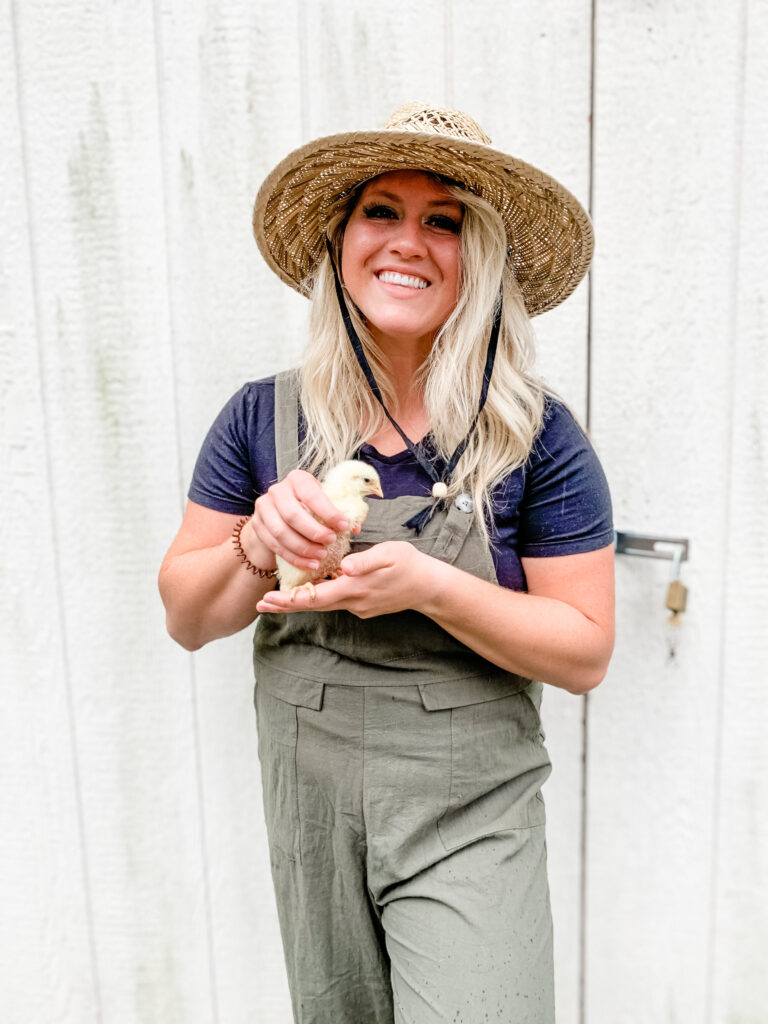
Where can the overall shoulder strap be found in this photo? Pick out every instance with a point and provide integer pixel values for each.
(287, 385)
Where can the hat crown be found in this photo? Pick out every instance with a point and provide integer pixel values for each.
(420, 117)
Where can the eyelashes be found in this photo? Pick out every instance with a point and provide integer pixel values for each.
(378, 211)
(445, 223)
(441, 221)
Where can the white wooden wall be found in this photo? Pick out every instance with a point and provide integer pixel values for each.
(134, 878)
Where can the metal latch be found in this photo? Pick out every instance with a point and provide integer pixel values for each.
(675, 549)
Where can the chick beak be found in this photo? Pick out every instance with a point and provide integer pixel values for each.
(375, 489)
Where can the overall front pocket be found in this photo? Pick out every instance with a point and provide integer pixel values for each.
(498, 765)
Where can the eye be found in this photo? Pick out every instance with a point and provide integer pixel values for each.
(379, 211)
(443, 222)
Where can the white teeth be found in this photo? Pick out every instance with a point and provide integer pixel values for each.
(390, 277)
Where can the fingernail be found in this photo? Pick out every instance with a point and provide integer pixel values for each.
(343, 524)
(314, 565)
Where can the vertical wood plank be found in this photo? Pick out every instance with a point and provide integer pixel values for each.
(44, 924)
(740, 939)
(523, 71)
(230, 81)
(98, 238)
(365, 62)
(667, 102)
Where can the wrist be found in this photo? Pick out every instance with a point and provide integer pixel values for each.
(435, 584)
(254, 555)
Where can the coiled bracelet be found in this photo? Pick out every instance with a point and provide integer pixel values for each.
(266, 574)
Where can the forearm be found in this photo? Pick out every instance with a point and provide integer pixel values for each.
(208, 594)
(561, 633)
(536, 637)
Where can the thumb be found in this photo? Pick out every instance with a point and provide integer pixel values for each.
(359, 564)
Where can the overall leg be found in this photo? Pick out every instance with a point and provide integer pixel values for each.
(338, 969)
(457, 858)
(470, 939)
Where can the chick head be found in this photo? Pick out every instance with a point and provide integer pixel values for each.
(353, 477)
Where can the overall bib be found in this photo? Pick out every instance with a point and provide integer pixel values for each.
(402, 776)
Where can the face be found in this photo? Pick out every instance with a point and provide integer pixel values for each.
(400, 257)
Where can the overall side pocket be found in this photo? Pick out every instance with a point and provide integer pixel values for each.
(277, 726)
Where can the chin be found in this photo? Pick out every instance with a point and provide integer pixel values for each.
(398, 335)
(399, 327)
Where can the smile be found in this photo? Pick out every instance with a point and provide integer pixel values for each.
(405, 280)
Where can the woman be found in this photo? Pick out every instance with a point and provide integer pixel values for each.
(399, 735)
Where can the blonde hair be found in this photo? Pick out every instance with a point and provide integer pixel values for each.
(451, 375)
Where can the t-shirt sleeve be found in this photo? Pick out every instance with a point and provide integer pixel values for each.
(566, 507)
(236, 461)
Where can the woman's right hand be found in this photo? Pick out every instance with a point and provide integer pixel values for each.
(296, 520)
(207, 592)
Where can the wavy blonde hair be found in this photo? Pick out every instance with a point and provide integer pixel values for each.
(450, 376)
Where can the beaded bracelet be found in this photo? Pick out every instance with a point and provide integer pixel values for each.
(266, 574)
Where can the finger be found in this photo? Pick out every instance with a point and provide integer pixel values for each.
(280, 606)
(309, 491)
(280, 537)
(280, 601)
(303, 603)
(296, 515)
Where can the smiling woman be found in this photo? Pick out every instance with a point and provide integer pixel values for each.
(400, 260)
(397, 702)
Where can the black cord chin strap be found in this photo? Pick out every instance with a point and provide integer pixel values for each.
(440, 480)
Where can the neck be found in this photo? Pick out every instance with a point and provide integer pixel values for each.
(403, 364)
(408, 352)
(405, 358)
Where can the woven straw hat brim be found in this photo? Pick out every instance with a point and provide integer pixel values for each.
(549, 232)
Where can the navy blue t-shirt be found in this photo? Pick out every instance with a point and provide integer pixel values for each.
(557, 503)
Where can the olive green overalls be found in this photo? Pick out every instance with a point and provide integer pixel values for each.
(402, 777)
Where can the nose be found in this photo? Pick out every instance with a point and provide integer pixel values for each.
(408, 240)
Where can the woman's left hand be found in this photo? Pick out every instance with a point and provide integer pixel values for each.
(388, 577)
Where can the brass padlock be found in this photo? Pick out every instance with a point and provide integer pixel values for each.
(677, 596)
(659, 547)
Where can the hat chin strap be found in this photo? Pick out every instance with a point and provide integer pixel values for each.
(439, 480)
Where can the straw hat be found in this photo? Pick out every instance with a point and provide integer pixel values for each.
(548, 231)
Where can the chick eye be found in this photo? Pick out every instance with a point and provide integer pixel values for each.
(378, 211)
(443, 222)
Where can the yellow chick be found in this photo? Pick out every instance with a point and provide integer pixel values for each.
(345, 485)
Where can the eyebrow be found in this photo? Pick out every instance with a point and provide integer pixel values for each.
(448, 201)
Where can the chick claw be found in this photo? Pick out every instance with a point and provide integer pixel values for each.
(304, 586)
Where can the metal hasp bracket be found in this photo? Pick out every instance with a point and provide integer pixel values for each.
(671, 548)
